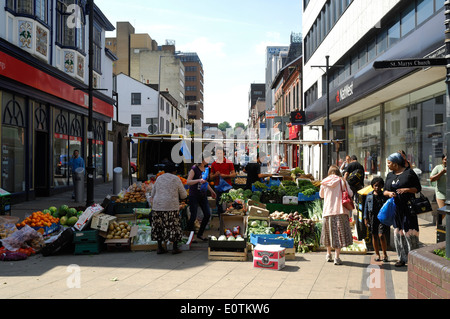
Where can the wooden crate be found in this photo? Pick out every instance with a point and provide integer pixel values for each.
(289, 254)
(224, 255)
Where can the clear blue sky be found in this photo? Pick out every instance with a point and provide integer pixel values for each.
(230, 38)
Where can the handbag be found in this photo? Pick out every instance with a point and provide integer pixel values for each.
(386, 215)
(347, 202)
(419, 204)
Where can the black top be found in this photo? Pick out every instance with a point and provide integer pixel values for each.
(253, 170)
(407, 179)
(194, 190)
(353, 166)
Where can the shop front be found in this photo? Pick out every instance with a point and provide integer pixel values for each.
(44, 118)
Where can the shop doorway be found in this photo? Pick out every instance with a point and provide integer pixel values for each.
(41, 164)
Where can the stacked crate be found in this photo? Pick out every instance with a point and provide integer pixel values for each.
(86, 242)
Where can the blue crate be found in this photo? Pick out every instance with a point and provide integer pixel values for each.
(303, 198)
(271, 239)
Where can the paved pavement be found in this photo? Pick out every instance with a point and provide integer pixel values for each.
(190, 275)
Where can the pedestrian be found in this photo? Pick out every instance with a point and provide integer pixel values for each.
(253, 171)
(374, 201)
(75, 162)
(336, 232)
(198, 197)
(354, 175)
(221, 168)
(166, 222)
(345, 164)
(283, 163)
(438, 179)
(401, 184)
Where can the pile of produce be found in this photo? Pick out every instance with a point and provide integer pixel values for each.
(305, 234)
(134, 194)
(315, 209)
(276, 215)
(239, 194)
(355, 247)
(233, 234)
(118, 230)
(240, 180)
(39, 219)
(259, 227)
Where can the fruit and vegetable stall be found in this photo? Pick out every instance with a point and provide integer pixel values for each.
(285, 212)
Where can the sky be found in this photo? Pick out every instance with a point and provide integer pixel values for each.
(230, 37)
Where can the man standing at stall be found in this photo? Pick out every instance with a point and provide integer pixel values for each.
(221, 168)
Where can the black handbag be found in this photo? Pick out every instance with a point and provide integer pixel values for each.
(419, 204)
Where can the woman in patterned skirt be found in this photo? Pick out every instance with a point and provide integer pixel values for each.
(336, 232)
(166, 194)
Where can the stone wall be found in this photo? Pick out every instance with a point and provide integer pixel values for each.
(428, 274)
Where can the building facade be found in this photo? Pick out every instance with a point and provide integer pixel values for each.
(43, 94)
(140, 57)
(138, 107)
(376, 111)
(194, 88)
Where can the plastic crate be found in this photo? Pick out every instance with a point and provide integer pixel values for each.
(87, 249)
(128, 208)
(85, 237)
(304, 198)
(272, 239)
(5, 202)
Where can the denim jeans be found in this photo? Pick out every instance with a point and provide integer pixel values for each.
(194, 203)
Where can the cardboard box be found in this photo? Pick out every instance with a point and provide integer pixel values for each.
(269, 257)
(230, 221)
(123, 241)
(86, 217)
(251, 202)
(258, 211)
(101, 221)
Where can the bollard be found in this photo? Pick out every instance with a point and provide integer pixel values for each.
(78, 181)
(117, 180)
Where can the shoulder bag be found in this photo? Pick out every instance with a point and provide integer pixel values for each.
(347, 201)
(419, 204)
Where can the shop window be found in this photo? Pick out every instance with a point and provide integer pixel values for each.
(13, 143)
(61, 148)
(75, 139)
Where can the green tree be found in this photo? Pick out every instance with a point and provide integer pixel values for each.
(240, 124)
(224, 125)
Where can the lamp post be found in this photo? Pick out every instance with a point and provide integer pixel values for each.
(90, 133)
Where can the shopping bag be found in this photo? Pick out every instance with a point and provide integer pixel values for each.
(223, 186)
(204, 186)
(387, 212)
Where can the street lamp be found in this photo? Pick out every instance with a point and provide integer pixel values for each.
(90, 133)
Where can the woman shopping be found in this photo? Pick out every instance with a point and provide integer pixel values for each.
(336, 232)
(198, 189)
(166, 195)
(401, 184)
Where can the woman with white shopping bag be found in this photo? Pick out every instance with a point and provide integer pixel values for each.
(336, 231)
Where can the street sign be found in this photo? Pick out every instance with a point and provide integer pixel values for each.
(271, 114)
(410, 63)
(298, 118)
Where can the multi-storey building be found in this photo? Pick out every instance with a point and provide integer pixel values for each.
(44, 47)
(375, 111)
(257, 93)
(193, 81)
(140, 57)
